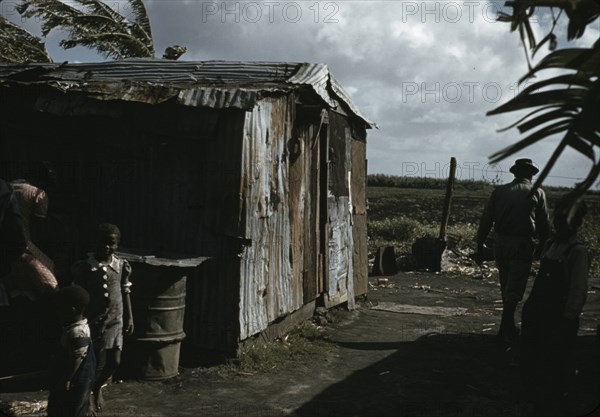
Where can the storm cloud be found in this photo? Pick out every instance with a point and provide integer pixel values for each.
(425, 71)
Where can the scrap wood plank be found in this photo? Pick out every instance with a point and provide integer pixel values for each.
(425, 310)
(23, 408)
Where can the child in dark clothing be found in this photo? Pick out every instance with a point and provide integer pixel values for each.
(106, 277)
(72, 373)
(550, 318)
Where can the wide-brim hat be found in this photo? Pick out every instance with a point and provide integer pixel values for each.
(524, 165)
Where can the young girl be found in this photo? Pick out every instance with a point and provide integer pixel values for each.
(74, 368)
(106, 278)
(550, 318)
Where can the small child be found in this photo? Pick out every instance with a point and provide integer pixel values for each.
(106, 277)
(74, 368)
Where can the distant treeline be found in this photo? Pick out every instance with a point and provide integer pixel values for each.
(383, 180)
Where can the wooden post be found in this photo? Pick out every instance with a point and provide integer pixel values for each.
(448, 200)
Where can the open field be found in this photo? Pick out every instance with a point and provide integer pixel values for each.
(398, 215)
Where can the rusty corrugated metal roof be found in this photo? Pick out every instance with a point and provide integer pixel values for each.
(216, 84)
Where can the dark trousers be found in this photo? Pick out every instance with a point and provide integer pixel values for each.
(75, 402)
(546, 343)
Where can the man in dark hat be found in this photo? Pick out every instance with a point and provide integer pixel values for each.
(517, 215)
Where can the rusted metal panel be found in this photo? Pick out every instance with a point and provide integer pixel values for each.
(156, 70)
(359, 177)
(338, 155)
(340, 276)
(317, 76)
(344, 97)
(304, 206)
(218, 98)
(339, 214)
(213, 291)
(299, 199)
(360, 254)
(320, 79)
(359, 217)
(216, 84)
(268, 287)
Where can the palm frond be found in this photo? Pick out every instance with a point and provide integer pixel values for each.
(569, 103)
(141, 17)
(538, 135)
(19, 46)
(583, 60)
(561, 114)
(94, 24)
(561, 97)
(52, 13)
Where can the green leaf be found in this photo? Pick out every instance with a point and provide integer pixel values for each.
(559, 97)
(141, 16)
(561, 113)
(574, 58)
(94, 24)
(542, 42)
(577, 79)
(530, 35)
(19, 46)
(527, 116)
(530, 140)
(579, 145)
(567, 102)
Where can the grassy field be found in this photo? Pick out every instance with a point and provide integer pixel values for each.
(403, 209)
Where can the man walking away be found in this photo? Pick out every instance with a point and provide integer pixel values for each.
(517, 215)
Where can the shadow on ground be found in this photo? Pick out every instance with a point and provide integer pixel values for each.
(446, 375)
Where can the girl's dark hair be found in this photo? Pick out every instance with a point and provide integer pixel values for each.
(73, 296)
(571, 212)
(106, 229)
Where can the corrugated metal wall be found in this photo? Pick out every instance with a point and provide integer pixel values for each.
(359, 216)
(298, 213)
(339, 212)
(269, 289)
(212, 311)
(306, 227)
(208, 182)
(167, 175)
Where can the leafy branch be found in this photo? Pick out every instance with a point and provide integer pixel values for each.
(567, 104)
(94, 24)
(19, 46)
(117, 34)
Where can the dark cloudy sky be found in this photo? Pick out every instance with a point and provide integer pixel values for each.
(425, 71)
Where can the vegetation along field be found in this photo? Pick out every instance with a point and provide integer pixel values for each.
(402, 209)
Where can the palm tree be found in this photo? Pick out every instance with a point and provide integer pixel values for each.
(19, 46)
(94, 24)
(117, 34)
(567, 104)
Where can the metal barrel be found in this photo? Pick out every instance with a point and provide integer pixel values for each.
(158, 303)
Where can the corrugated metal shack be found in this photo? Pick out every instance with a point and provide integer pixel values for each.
(259, 165)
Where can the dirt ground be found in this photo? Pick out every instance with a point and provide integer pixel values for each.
(386, 361)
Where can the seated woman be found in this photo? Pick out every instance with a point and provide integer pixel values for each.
(33, 272)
